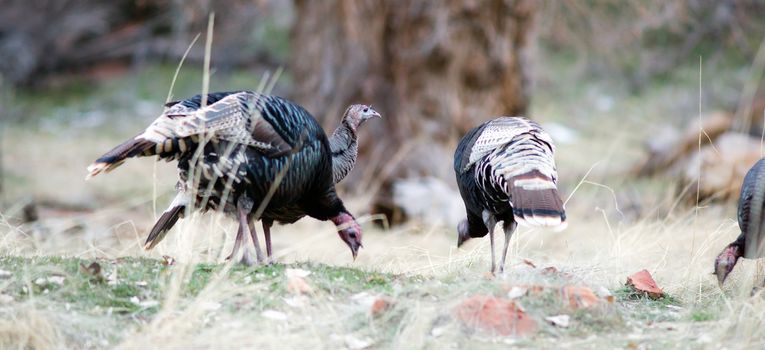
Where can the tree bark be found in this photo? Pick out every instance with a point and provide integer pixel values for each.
(434, 69)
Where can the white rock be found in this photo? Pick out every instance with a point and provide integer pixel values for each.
(148, 303)
(297, 273)
(516, 292)
(430, 200)
(296, 301)
(274, 315)
(354, 343)
(209, 305)
(559, 320)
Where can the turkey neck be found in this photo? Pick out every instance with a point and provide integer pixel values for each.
(345, 148)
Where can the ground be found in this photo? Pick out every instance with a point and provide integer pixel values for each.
(410, 286)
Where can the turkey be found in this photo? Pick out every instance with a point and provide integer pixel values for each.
(344, 147)
(506, 172)
(749, 243)
(246, 154)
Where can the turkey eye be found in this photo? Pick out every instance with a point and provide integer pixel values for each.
(366, 110)
(352, 235)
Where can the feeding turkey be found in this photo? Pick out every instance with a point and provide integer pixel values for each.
(506, 172)
(253, 156)
(749, 243)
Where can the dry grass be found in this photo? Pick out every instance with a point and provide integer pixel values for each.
(617, 226)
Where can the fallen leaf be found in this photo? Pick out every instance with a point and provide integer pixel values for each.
(495, 315)
(517, 292)
(530, 263)
(559, 320)
(274, 315)
(642, 281)
(380, 305)
(579, 297)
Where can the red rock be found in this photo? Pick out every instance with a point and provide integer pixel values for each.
(642, 281)
(579, 297)
(379, 306)
(298, 285)
(495, 315)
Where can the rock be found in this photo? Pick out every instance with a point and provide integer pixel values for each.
(274, 315)
(297, 273)
(430, 200)
(668, 148)
(380, 306)
(722, 167)
(354, 343)
(494, 315)
(579, 297)
(559, 320)
(298, 285)
(517, 292)
(642, 282)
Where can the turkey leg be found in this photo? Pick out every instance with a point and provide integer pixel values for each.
(490, 221)
(243, 208)
(238, 244)
(509, 229)
(267, 233)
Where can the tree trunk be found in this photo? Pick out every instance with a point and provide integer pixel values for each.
(434, 69)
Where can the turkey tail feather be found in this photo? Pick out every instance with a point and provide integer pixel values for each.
(115, 157)
(163, 225)
(536, 201)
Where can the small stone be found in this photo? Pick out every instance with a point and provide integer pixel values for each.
(579, 297)
(297, 273)
(559, 320)
(517, 292)
(495, 315)
(274, 315)
(379, 306)
(298, 285)
(354, 343)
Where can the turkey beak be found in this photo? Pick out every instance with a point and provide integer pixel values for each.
(355, 250)
(721, 271)
(373, 113)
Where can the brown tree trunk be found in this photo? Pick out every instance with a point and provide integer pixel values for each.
(434, 69)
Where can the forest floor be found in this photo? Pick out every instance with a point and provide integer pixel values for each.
(77, 277)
